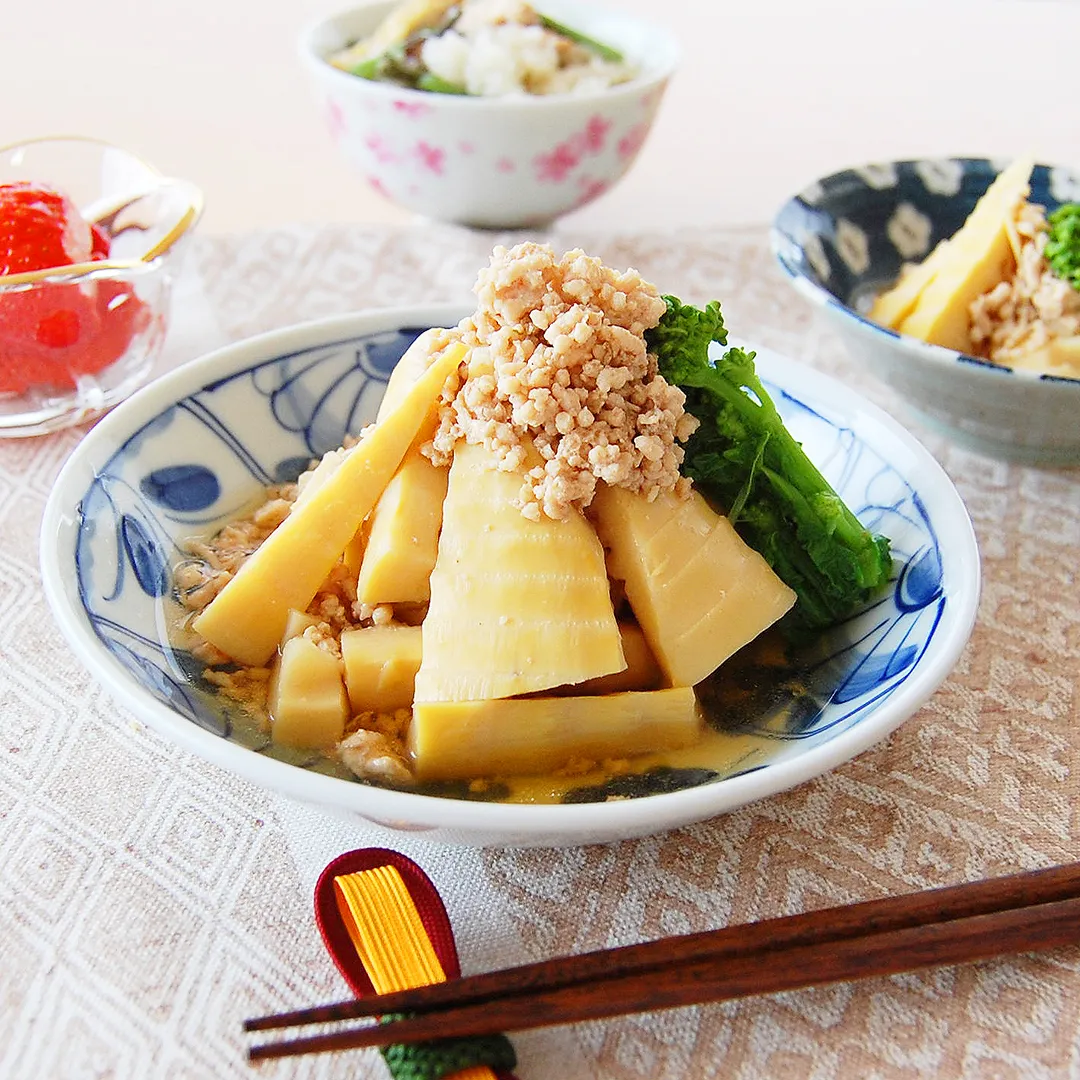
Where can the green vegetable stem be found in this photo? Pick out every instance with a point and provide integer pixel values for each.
(437, 85)
(605, 52)
(744, 458)
(369, 69)
(1063, 243)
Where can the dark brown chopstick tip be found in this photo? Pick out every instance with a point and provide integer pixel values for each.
(317, 1014)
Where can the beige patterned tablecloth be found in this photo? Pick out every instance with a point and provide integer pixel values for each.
(149, 901)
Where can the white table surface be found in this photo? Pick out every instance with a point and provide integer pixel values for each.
(770, 95)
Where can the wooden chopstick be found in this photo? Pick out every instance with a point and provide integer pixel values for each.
(1021, 912)
(826, 924)
(956, 941)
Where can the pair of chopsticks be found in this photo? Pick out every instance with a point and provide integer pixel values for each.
(1024, 912)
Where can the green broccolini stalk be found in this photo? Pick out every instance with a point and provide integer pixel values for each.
(744, 458)
(436, 85)
(1063, 243)
(605, 52)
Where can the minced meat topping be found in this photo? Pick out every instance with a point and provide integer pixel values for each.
(1034, 306)
(561, 384)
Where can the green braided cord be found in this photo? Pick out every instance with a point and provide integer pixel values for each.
(437, 1058)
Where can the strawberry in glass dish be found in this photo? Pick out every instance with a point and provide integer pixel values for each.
(90, 243)
(54, 331)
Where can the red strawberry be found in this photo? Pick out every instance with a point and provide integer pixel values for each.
(101, 242)
(43, 332)
(40, 228)
(52, 332)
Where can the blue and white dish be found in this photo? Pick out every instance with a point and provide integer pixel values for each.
(198, 446)
(844, 238)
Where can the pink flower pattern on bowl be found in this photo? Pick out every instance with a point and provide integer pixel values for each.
(632, 141)
(418, 162)
(335, 119)
(497, 162)
(383, 153)
(556, 165)
(590, 188)
(432, 158)
(595, 133)
(412, 108)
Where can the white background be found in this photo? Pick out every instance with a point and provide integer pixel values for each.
(769, 96)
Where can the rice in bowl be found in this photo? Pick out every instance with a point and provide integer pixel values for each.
(483, 48)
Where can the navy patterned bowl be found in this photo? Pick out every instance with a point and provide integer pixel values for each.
(845, 238)
(198, 446)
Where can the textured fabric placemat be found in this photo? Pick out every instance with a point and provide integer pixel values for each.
(150, 901)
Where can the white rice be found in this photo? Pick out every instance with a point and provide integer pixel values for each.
(497, 48)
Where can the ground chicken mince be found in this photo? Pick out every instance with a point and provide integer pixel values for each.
(1020, 315)
(561, 382)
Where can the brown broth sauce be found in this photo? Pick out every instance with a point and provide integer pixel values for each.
(749, 706)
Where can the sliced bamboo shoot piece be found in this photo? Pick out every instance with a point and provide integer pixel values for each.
(516, 605)
(698, 591)
(525, 736)
(247, 618)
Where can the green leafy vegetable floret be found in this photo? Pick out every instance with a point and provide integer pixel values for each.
(1063, 243)
(743, 457)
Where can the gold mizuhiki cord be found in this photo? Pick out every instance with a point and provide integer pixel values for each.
(389, 936)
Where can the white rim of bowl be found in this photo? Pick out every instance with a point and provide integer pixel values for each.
(644, 82)
(650, 814)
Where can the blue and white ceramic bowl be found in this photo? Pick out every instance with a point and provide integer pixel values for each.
(193, 449)
(844, 238)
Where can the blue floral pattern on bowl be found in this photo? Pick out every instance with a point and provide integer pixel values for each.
(850, 233)
(264, 424)
(844, 238)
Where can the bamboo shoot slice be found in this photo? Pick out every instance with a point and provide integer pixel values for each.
(698, 591)
(307, 703)
(416, 359)
(955, 267)
(247, 618)
(642, 672)
(894, 305)
(526, 736)
(516, 605)
(380, 666)
(403, 535)
(980, 256)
